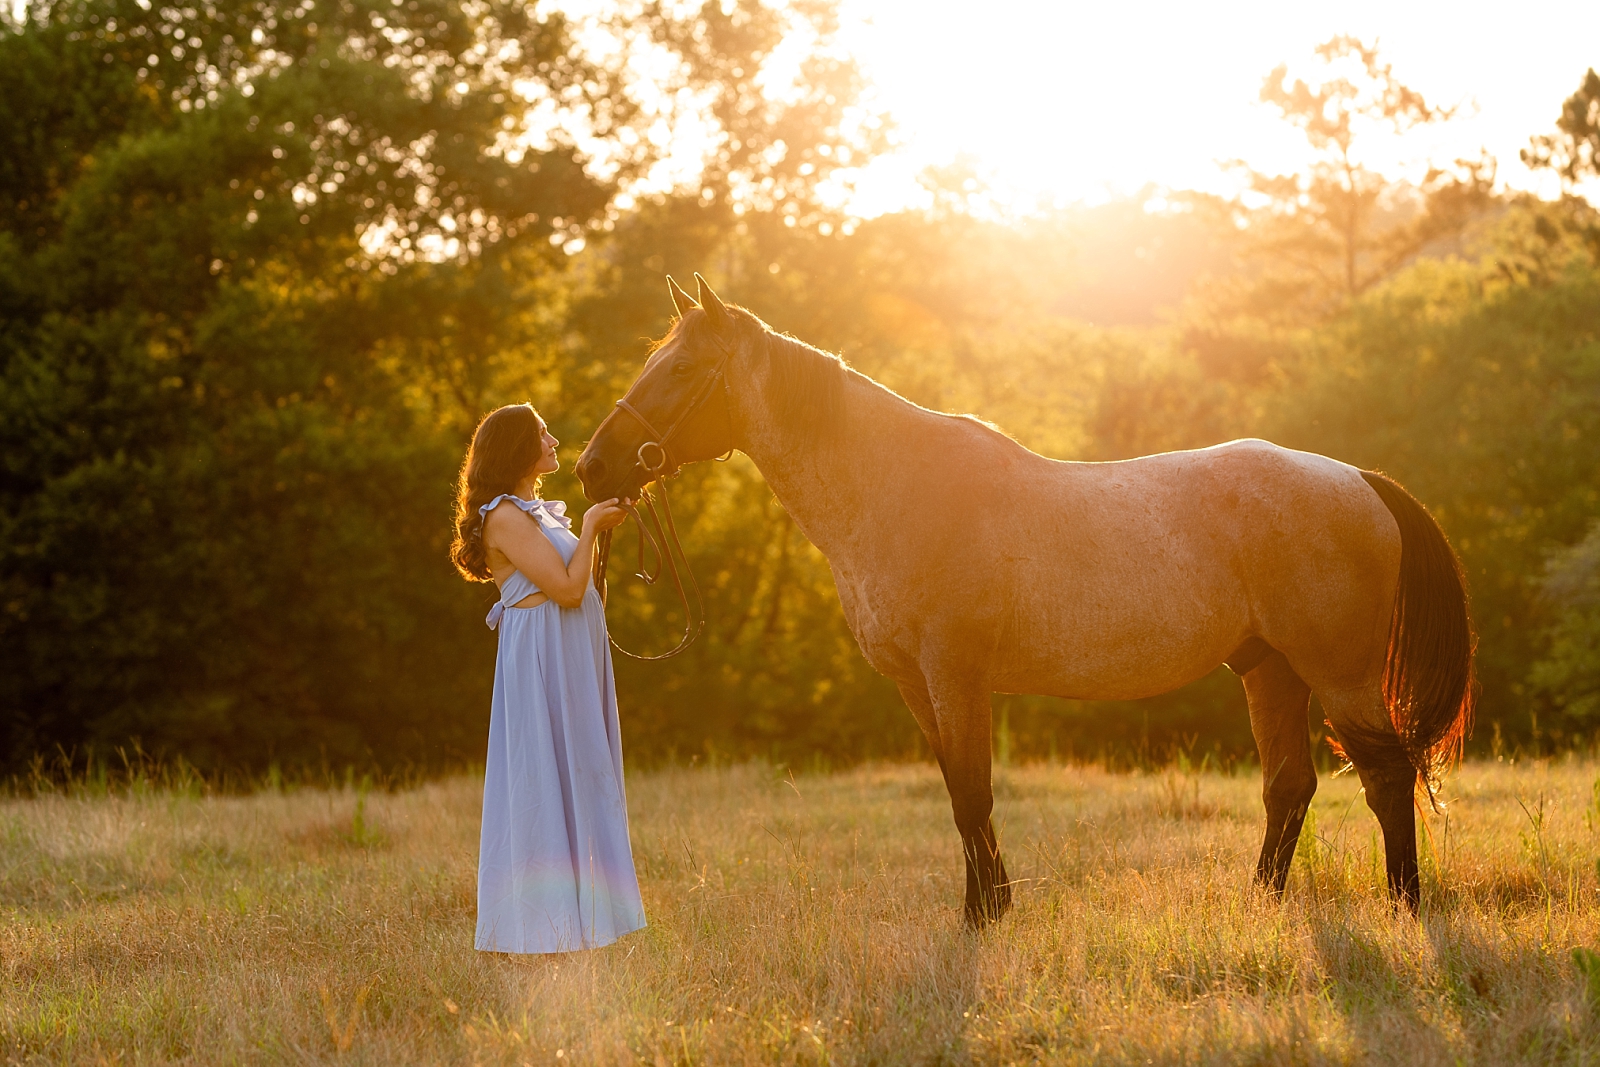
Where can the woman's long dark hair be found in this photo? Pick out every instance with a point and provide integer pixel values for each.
(505, 447)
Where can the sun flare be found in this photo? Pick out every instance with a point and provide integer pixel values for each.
(1068, 101)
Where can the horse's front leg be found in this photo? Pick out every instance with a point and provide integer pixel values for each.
(963, 714)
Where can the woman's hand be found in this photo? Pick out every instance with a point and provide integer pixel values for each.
(606, 515)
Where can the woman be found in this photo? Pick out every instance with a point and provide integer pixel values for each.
(555, 870)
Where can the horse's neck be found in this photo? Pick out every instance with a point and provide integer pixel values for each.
(826, 480)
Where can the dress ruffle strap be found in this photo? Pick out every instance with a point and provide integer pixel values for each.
(551, 514)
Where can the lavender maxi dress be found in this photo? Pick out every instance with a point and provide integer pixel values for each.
(555, 870)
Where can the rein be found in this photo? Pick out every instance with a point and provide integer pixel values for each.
(663, 539)
(668, 551)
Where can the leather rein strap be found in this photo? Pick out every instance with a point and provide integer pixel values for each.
(661, 532)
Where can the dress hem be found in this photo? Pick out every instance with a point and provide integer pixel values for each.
(560, 951)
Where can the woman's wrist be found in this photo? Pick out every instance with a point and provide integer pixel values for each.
(582, 557)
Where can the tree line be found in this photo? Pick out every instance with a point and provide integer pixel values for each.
(263, 265)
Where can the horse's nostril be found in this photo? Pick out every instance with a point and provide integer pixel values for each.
(593, 468)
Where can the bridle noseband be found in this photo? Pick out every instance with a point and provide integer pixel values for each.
(658, 440)
(664, 541)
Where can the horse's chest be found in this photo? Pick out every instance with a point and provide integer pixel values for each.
(886, 621)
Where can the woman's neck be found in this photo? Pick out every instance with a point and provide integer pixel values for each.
(527, 489)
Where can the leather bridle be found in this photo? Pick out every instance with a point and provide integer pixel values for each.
(663, 540)
(658, 440)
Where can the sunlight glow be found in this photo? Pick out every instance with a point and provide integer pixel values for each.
(1059, 102)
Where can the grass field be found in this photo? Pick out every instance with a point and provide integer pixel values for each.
(806, 920)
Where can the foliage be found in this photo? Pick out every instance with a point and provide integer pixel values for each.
(1573, 151)
(1568, 675)
(261, 268)
(1475, 384)
(1315, 240)
(263, 265)
(233, 388)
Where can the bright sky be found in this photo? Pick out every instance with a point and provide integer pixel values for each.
(1073, 100)
(1067, 100)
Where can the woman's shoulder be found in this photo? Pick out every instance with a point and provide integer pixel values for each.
(545, 512)
(494, 505)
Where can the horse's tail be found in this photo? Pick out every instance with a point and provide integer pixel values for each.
(1428, 680)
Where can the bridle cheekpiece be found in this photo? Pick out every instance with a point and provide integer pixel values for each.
(655, 459)
(659, 441)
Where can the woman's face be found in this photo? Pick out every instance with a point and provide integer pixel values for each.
(547, 463)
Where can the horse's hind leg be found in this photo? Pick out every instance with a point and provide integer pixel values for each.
(1361, 722)
(1391, 794)
(1279, 702)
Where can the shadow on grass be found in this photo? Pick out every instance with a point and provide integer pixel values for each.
(1379, 1001)
(1489, 981)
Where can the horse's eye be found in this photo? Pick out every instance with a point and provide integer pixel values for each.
(681, 368)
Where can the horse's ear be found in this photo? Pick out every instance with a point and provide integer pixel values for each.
(714, 310)
(682, 302)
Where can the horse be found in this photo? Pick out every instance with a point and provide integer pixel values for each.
(968, 565)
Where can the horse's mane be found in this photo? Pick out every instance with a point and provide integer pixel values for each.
(807, 383)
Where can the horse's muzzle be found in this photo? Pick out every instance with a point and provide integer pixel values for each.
(602, 482)
(592, 472)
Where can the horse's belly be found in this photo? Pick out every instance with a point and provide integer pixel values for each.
(1121, 654)
(1105, 679)
(1110, 682)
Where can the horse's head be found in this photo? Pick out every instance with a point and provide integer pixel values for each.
(676, 411)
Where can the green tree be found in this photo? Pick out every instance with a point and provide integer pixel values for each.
(235, 379)
(1573, 151)
(1339, 228)
(262, 265)
(1567, 676)
(1474, 382)
(1307, 243)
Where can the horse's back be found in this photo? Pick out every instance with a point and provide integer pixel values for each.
(1140, 575)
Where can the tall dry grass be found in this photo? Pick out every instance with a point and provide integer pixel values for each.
(806, 920)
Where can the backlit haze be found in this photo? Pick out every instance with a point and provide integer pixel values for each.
(1062, 102)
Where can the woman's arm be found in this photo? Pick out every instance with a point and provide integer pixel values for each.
(516, 534)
